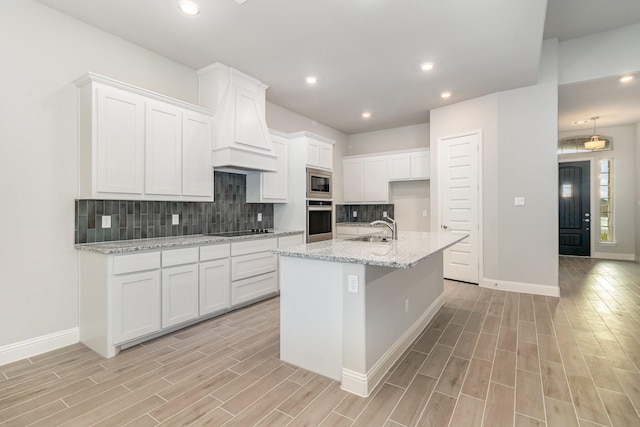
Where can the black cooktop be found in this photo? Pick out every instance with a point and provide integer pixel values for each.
(239, 233)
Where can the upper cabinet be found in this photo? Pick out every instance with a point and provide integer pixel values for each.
(318, 149)
(136, 144)
(241, 138)
(271, 187)
(409, 166)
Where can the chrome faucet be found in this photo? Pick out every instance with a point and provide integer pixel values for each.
(393, 226)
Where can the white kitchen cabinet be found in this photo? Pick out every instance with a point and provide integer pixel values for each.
(365, 180)
(353, 180)
(271, 187)
(319, 153)
(197, 170)
(136, 305)
(118, 146)
(293, 240)
(179, 294)
(253, 270)
(409, 166)
(215, 278)
(376, 185)
(163, 149)
(139, 145)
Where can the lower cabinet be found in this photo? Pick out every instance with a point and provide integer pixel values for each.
(127, 298)
(179, 294)
(136, 305)
(214, 286)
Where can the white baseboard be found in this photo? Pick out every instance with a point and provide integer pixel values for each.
(527, 288)
(363, 384)
(618, 257)
(34, 346)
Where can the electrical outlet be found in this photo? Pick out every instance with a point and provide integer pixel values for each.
(352, 283)
(259, 217)
(424, 212)
(384, 214)
(519, 201)
(355, 214)
(175, 219)
(106, 221)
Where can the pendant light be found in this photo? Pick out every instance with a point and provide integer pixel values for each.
(595, 143)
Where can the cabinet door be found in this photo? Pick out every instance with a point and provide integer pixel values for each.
(197, 170)
(136, 305)
(274, 184)
(420, 165)
(215, 285)
(120, 141)
(353, 185)
(313, 153)
(179, 294)
(376, 185)
(326, 156)
(399, 166)
(163, 149)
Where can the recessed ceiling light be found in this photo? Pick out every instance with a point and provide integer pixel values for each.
(580, 122)
(426, 66)
(445, 94)
(625, 79)
(366, 115)
(312, 80)
(189, 7)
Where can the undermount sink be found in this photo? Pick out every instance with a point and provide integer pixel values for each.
(371, 239)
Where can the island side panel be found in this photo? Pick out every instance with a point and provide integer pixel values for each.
(311, 315)
(389, 327)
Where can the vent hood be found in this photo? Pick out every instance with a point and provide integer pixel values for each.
(241, 137)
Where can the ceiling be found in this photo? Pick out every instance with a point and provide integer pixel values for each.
(365, 53)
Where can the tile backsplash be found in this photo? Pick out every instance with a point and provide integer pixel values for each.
(147, 219)
(366, 213)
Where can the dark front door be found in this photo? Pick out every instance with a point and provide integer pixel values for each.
(574, 205)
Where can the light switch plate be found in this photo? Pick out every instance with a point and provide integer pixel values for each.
(175, 219)
(384, 214)
(424, 212)
(519, 201)
(352, 283)
(106, 221)
(355, 214)
(259, 217)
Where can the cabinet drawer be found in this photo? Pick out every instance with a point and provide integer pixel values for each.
(207, 253)
(136, 262)
(286, 241)
(254, 287)
(253, 246)
(179, 256)
(252, 265)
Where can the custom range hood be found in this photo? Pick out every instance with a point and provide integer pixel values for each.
(241, 137)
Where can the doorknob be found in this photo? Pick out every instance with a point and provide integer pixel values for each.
(587, 220)
(444, 226)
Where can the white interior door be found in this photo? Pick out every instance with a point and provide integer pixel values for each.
(459, 211)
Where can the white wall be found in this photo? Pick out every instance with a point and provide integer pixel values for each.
(519, 133)
(605, 54)
(637, 191)
(624, 188)
(401, 138)
(42, 53)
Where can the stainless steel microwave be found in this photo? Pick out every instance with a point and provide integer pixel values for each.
(319, 184)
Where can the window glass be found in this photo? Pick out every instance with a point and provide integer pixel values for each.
(606, 223)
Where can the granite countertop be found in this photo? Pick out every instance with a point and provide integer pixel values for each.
(410, 248)
(124, 246)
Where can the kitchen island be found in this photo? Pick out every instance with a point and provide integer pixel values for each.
(349, 309)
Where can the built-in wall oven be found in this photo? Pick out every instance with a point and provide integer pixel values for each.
(319, 220)
(319, 184)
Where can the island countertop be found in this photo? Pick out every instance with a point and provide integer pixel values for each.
(409, 249)
(124, 246)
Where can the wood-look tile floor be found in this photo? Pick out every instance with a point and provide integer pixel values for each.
(489, 358)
